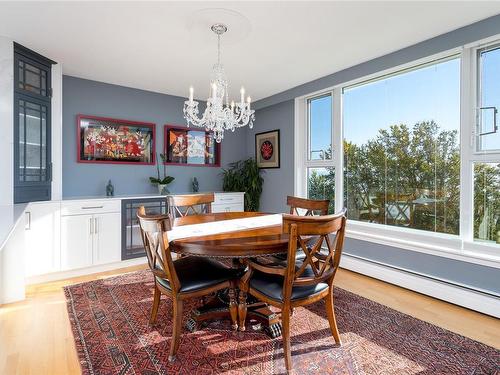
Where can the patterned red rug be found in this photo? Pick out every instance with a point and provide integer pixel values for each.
(110, 317)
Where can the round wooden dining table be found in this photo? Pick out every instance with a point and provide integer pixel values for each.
(235, 245)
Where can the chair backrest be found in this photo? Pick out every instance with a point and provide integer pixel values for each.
(311, 206)
(189, 204)
(302, 231)
(154, 237)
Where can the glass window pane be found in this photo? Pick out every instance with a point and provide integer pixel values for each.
(489, 100)
(321, 185)
(487, 202)
(401, 149)
(320, 128)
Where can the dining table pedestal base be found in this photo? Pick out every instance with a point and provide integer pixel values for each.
(216, 307)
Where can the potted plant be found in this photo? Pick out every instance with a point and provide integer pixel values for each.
(244, 175)
(161, 182)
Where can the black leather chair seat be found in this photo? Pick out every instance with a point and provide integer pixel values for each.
(272, 285)
(196, 273)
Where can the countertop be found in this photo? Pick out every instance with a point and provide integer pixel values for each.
(11, 214)
(139, 196)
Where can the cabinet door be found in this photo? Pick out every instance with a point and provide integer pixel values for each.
(107, 238)
(76, 241)
(42, 239)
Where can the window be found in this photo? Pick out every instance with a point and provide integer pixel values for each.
(321, 185)
(401, 149)
(320, 169)
(488, 98)
(413, 153)
(487, 202)
(32, 130)
(320, 127)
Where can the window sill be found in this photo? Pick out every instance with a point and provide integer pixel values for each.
(438, 244)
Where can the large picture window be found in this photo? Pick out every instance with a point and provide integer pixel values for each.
(412, 152)
(401, 149)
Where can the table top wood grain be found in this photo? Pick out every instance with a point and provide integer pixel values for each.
(244, 243)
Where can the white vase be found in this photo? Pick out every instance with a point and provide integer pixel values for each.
(162, 189)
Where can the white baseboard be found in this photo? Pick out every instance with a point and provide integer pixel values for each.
(84, 271)
(457, 295)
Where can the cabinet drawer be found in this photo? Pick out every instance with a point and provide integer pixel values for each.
(90, 207)
(238, 207)
(228, 198)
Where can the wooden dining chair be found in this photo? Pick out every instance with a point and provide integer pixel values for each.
(189, 204)
(184, 278)
(307, 207)
(304, 207)
(299, 282)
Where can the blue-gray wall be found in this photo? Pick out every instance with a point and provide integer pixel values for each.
(101, 99)
(277, 112)
(278, 183)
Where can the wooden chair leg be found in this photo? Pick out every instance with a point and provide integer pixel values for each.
(331, 317)
(176, 333)
(242, 309)
(156, 304)
(285, 334)
(233, 308)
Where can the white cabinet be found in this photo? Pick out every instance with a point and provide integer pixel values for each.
(42, 238)
(228, 202)
(106, 245)
(76, 241)
(90, 235)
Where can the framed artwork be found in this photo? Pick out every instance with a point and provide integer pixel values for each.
(191, 147)
(267, 149)
(113, 141)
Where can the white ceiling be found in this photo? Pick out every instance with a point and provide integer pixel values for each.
(270, 46)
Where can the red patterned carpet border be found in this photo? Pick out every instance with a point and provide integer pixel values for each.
(110, 317)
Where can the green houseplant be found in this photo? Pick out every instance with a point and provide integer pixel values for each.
(161, 182)
(245, 175)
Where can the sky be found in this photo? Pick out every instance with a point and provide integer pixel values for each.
(428, 93)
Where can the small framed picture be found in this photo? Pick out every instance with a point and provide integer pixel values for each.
(191, 147)
(267, 149)
(113, 141)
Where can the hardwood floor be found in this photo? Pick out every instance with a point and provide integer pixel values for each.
(36, 338)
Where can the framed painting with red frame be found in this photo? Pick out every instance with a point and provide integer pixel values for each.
(267, 149)
(190, 147)
(114, 141)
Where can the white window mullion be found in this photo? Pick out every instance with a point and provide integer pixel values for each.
(467, 141)
(338, 148)
(301, 148)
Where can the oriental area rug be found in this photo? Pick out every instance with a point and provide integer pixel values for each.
(110, 323)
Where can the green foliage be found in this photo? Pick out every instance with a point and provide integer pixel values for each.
(165, 180)
(245, 175)
(411, 177)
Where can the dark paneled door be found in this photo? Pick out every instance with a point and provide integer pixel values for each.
(32, 129)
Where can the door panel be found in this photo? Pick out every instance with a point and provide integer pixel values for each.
(107, 238)
(76, 241)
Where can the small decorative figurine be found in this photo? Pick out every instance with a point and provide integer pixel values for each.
(195, 184)
(110, 190)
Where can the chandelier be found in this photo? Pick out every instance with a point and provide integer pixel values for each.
(219, 115)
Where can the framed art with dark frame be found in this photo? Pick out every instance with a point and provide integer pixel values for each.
(267, 149)
(190, 147)
(114, 141)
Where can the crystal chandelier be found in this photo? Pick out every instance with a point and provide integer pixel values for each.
(219, 115)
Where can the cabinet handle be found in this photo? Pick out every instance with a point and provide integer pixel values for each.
(96, 226)
(91, 207)
(27, 226)
(91, 226)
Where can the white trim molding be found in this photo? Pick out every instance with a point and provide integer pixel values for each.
(461, 296)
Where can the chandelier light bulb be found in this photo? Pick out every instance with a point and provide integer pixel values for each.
(242, 92)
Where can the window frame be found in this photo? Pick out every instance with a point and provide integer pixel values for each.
(461, 246)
